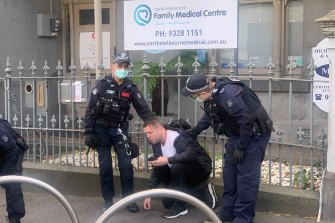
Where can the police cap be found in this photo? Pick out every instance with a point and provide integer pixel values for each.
(121, 58)
(195, 83)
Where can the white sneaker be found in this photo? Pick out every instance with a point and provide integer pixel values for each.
(174, 212)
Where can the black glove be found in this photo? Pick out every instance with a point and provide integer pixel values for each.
(134, 150)
(91, 140)
(238, 156)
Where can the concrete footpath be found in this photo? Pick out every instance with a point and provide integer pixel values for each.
(81, 187)
(42, 207)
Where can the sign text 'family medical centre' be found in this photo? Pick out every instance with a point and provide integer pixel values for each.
(180, 24)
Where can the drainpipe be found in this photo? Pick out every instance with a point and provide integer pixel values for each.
(98, 36)
(278, 37)
(72, 43)
(51, 9)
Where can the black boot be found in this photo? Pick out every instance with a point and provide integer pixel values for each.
(13, 220)
(107, 205)
(133, 208)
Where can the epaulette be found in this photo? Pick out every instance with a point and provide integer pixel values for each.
(228, 80)
(108, 78)
(218, 87)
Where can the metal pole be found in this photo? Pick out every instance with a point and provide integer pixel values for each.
(145, 75)
(277, 37)
(327, 23)
(98, 36)
(331, 118)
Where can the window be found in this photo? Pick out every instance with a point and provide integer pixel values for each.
(86, 16)
(295, 31)
(255, 37)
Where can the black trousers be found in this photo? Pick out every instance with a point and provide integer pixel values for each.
(108, 138)
(241, 181)
(14, 195)
(185, 177)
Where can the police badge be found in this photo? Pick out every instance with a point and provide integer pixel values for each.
(229, 103)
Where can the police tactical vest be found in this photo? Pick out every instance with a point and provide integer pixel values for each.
(223, 123)
(113, 106)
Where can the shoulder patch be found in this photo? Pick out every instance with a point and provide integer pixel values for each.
(108, 78)
(95, 91)
(139, 96)
(4, 138)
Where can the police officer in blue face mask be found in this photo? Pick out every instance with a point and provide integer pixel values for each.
(12, 148)
(235, 111)
(106, 124)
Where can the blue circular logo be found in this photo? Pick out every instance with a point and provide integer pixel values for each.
(323, 70)
(142, 15)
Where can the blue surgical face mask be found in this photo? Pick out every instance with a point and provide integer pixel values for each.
(121, 73)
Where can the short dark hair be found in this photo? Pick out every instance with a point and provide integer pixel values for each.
(152, 121)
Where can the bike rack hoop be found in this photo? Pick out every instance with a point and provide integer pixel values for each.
(159, 193)
(46, 187)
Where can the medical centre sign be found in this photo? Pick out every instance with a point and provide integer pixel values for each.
(180, 24)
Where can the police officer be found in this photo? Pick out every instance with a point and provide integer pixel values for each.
(11, 157)
(106, 124)
(234, 110)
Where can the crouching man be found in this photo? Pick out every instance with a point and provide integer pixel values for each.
(180, 164)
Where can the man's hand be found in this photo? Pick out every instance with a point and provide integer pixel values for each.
(147, 204)
(160, 161)
(91, 141)
(238, 156)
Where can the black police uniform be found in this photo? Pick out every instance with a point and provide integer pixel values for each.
(108, 110)
(11, 157)
(242, 118)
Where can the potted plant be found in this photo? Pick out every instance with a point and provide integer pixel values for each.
(155, 83)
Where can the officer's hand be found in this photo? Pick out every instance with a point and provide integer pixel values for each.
(238, 156)
(91, 141)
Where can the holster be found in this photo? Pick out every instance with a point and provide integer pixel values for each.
(264, 121)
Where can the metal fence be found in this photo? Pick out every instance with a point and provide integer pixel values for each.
(47, 109)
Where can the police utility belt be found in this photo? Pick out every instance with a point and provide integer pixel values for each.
(259, 126)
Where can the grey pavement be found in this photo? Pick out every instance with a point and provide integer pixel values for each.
(44, 208)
